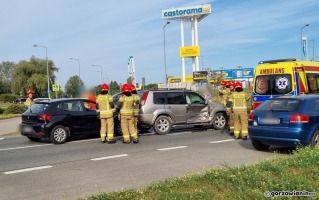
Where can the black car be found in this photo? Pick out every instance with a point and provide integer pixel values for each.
(58, 119)
(19, 101)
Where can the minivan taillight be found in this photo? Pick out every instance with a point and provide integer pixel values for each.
(299, 118)
(143, 100)
(251, 117)
(44, 117)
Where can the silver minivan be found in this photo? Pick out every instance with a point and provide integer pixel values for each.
(163, 109)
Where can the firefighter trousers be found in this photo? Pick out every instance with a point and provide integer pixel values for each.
(240, 123)
(107, 126)
(127, 125)
(231, 121)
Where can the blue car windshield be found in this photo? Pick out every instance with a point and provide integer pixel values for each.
(280, 105)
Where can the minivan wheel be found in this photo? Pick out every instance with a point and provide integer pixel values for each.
(34, 139)
(162, 125)
(219, 121)
(315, 139)
(59, 135)
(260, 146)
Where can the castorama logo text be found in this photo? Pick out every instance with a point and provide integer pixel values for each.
(186, 11)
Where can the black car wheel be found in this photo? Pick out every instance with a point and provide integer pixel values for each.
(315, 139)
(219, 121)
(59, 135)
(162, 125)
(34, 139)
(260, 146)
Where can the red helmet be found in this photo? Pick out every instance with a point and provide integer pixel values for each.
(125, 88)
(132, 87)
(223, 83)
(231, 83)
(227, 83)
(238, 85)
(30, 92)
(104, 87)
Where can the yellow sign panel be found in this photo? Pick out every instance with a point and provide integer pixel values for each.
(190, 51)
(179, 79)
(56, 87)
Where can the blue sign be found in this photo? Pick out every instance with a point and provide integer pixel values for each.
(227, 74)
(234, 73)
(248, 72)
(48, 91)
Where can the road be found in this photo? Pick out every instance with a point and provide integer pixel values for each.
(80, 168)
(9, 125)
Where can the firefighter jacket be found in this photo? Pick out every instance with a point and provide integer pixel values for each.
(105, 102)
(28, 102)
(238, 101)
(136, 108)
(224, 95)
(126, 104)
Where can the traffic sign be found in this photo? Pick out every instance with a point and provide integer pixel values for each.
(56, 87)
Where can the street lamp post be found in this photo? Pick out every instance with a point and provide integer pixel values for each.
(79, 69)
(165, 52)
(313, 50)
(100, 71)
(301, 39)
(46, 55)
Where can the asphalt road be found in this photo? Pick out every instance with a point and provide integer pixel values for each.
(30, 170)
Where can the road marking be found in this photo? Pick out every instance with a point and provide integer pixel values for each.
(221, 141)
(110, 157)
(27, 169)
(171, 148)
(25, 147)
(1, 138)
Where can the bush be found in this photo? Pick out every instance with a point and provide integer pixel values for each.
(1, 110)
(8, 98)
(14, 109)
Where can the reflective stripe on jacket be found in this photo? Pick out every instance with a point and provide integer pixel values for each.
(239, 100)
(127, 105)
(104, 105)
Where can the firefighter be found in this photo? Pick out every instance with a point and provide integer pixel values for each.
(126, 105)
(105, 105)
(238, 103)
(229, 110)
(136, 109)
(29, 101)
(224, 93)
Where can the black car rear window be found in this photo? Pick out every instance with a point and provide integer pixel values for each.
(280, 105)
(38, 108)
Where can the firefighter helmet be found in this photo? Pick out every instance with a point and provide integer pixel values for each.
(223, 83)
(238, 85)
(125, 88)
(231, 83)
(132, 88)
(30, 92)
(104, 87)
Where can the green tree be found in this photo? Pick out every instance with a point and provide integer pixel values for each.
(6, 72)
(72, 86)
(114, 86)
(32, 74)
(129, 80)
(151, 86)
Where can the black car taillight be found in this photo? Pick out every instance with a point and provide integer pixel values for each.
(45, 117)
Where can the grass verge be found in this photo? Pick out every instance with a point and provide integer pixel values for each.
(299, 172)
(9, 116)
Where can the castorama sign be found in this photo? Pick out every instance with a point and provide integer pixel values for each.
(187, 12)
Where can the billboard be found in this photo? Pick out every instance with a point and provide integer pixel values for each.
(190, 51)
(189, 11)
(234, 73)
(200, 76)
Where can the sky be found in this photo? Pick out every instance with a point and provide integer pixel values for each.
(106, 33)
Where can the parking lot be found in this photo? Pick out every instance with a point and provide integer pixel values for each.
(83, 167)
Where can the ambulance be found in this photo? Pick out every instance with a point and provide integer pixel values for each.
(275, 78)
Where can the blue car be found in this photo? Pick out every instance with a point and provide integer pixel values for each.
(285, 121)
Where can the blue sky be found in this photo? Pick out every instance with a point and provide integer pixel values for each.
(106, 33)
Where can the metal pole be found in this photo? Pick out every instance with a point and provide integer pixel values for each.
(182, 44)
(301, 39)
(313, 50)
(196, 42)
(193, 43)
(46, 54)
(165, 53)
(79, 72)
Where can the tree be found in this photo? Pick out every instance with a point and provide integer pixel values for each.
(129, 80)
(6, 72)
(32, 74)
(151, 86)
(115, 87)
(73, 85)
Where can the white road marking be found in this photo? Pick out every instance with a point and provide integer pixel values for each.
(25, 147)
(1, 138)
(27, 169)
(110, 157)
(221, 141)
(171, 148)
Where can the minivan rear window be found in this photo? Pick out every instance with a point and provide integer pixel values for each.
(38, 108)
(175, 98)
(280, 105)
